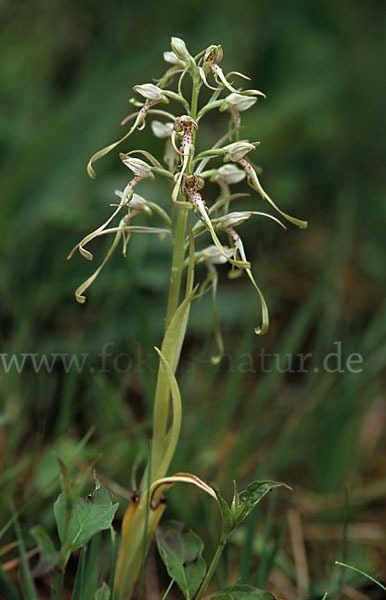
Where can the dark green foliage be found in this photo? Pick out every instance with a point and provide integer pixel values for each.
(242, 504)
(181, 551)
(77, 524)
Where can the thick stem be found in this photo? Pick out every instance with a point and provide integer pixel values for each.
(161, 408)
(135, 539)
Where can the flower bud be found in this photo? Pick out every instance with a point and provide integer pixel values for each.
(229, 174)
(233, 219)
(179, 48)
(150, 91)
(138, 166)
(238, 102)
(238, 150)
(213, 54)
(162, 130)
(212, 255)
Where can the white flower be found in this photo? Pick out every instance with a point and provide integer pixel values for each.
(229, 174)
(172, 58)
(213, 256)
(162, 130)
(139, 167)
(150, 91)
(237, 150)
(139, 205)
(238, 102)
(233, 219)
(213, 54)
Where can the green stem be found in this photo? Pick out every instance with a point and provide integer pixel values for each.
(179, 241)
(361, 573)
(57, 584)
(211, 570)
(161, 409)
(168, 590)
(132, 550)
(177, 264)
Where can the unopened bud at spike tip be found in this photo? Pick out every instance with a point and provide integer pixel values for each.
(179, 48)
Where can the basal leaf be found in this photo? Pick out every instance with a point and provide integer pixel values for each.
(88, 516)
(181, 551)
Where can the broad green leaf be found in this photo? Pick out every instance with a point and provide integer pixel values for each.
(88, 516)
(242, 504)
(243, 592)
(103, 593)
(181, 549)
(48, 554)
(246, 501)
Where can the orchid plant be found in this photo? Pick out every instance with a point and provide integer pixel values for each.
(200, 234)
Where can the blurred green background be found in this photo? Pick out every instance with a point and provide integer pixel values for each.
(67, 71)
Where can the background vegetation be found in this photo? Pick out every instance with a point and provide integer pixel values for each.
(67, 71)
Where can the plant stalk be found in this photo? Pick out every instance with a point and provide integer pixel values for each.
(211, 570)
(132, 545)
